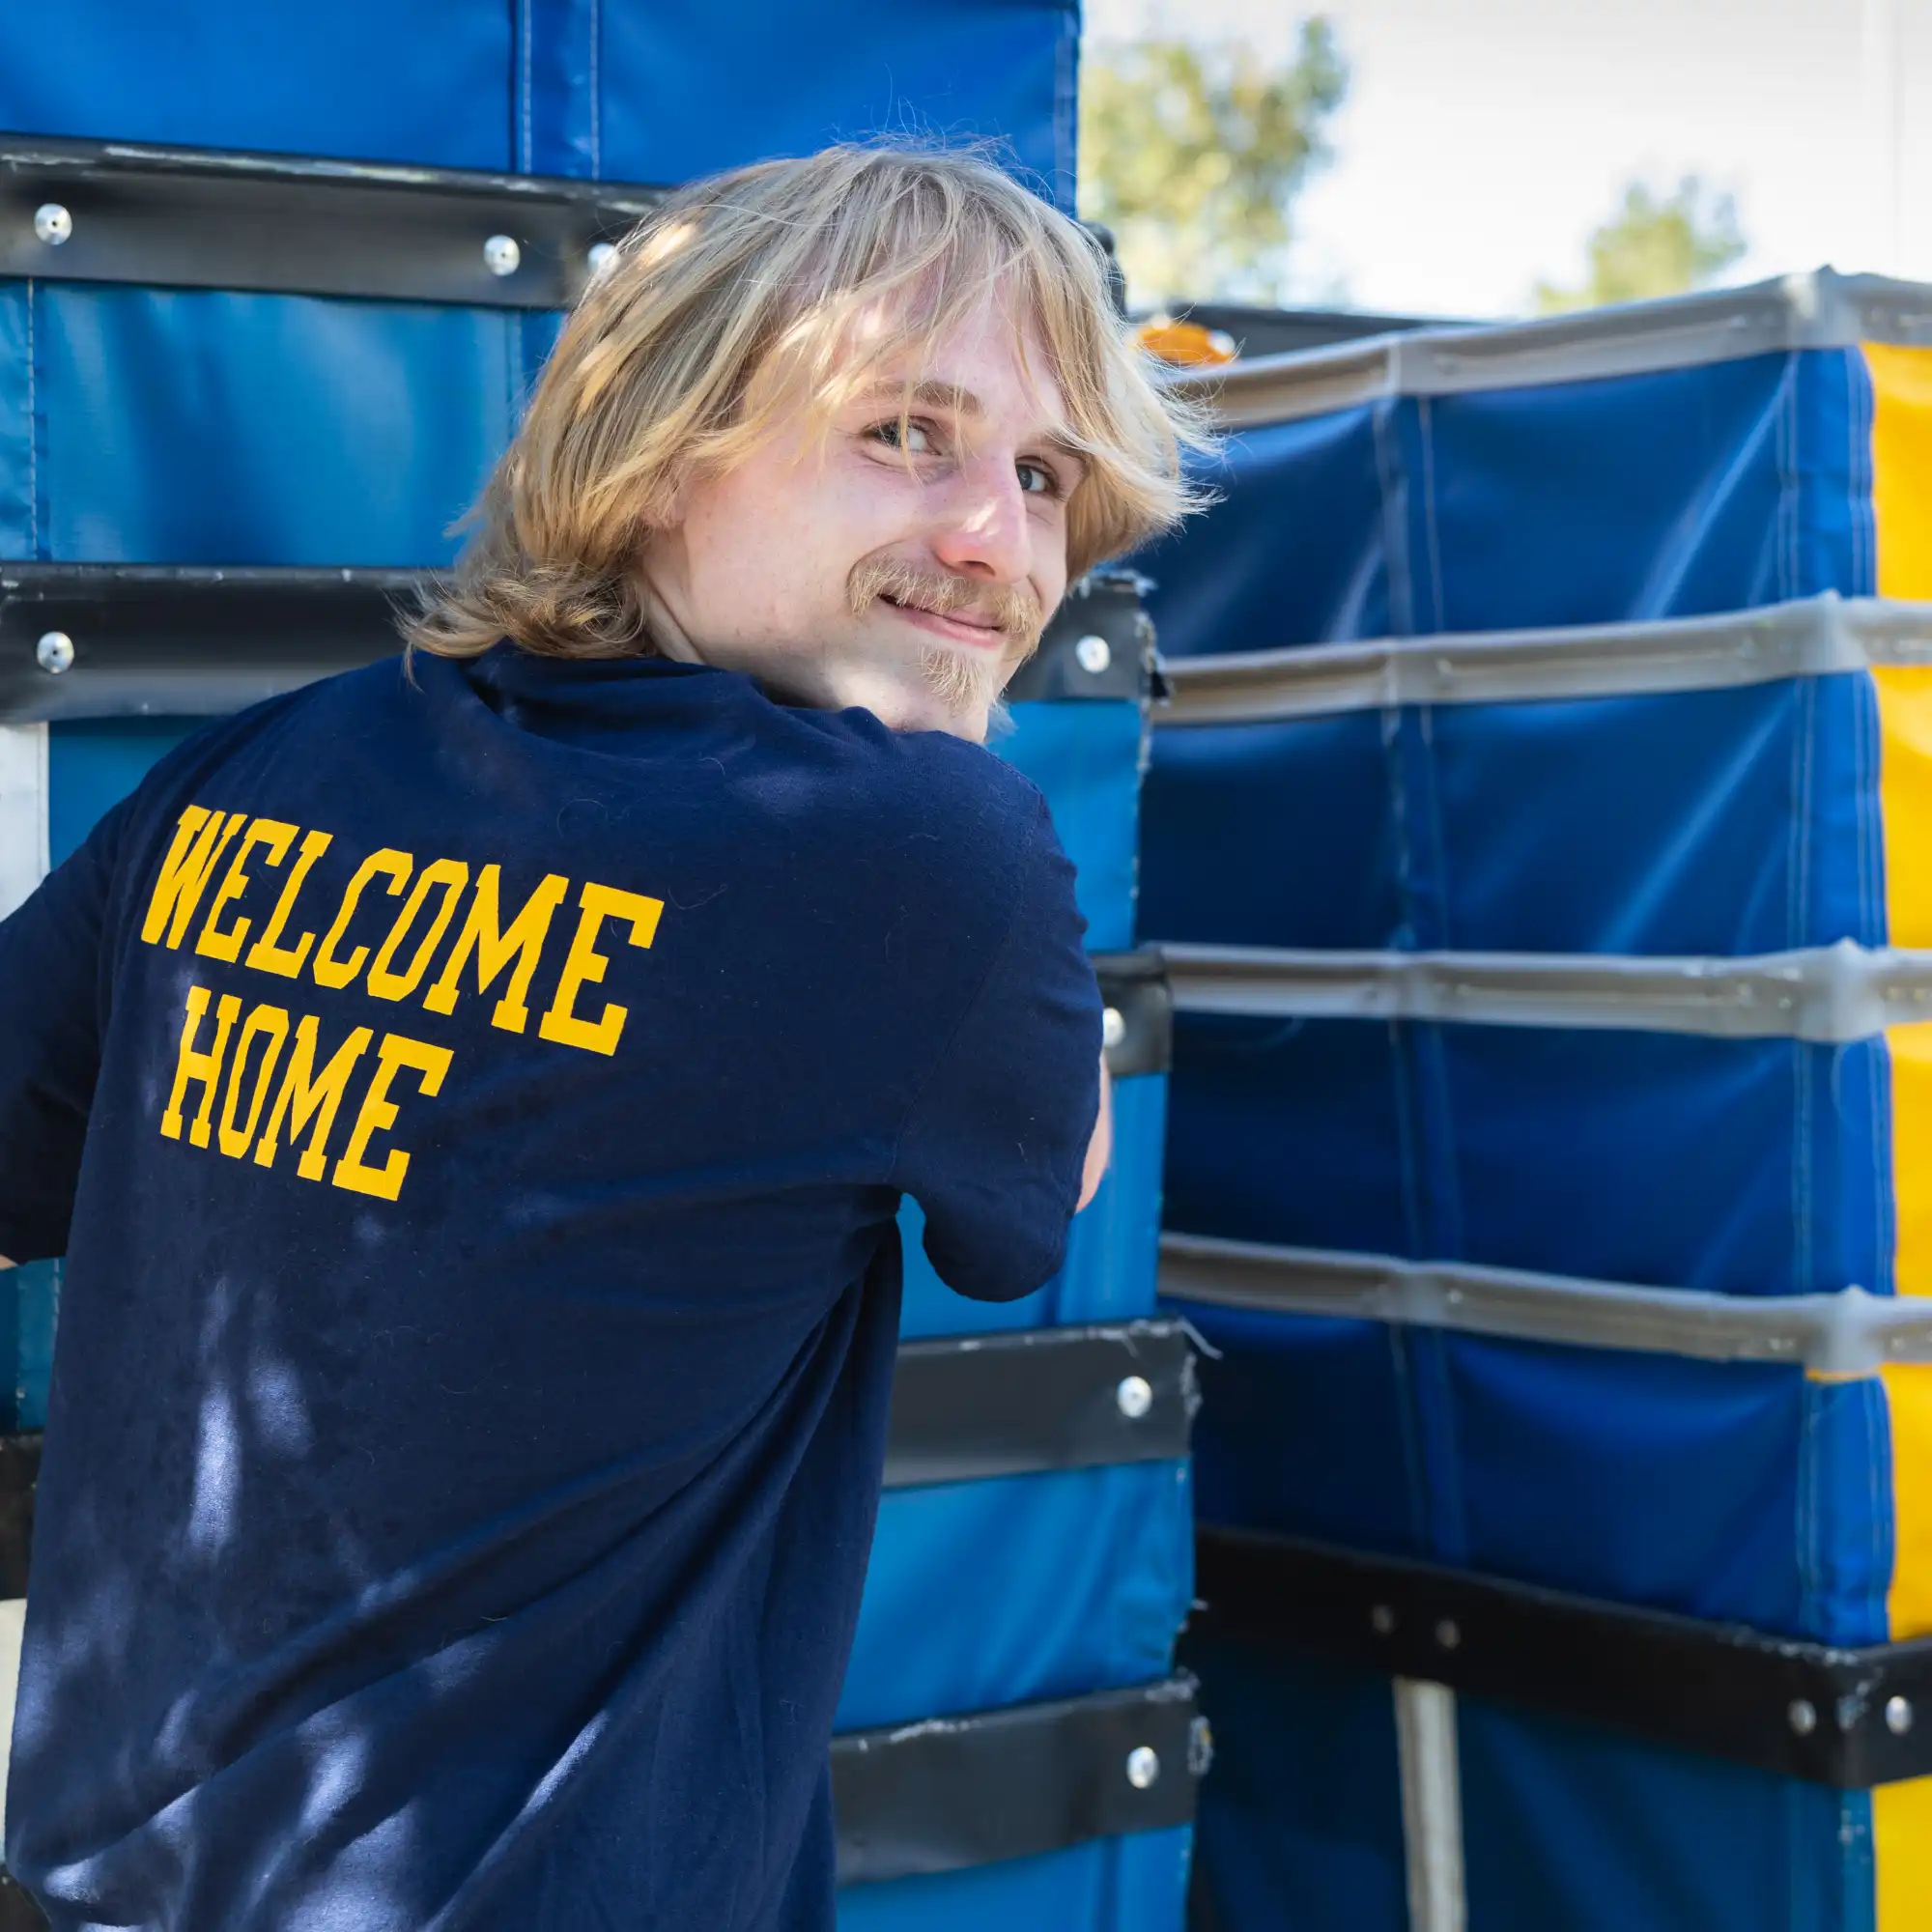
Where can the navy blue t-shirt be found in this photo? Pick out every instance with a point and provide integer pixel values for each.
(474, 1111)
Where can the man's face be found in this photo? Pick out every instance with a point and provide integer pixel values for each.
(847, 566)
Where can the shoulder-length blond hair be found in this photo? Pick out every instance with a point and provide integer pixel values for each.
(736, 300)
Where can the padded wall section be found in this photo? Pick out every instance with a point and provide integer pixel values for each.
(1564, 1825)
(1021, 1588)
(1136, 1884)
(1300, 1822)
(432, 85)
(1740, 1166)
(1667, 494)
(1713, 822)
(1738, 1492)
(622, 90)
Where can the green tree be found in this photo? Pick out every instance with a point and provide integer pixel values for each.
(1654, 245)
(1192, 155)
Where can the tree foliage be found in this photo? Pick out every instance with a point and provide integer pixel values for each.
(1654, 245)
(1193, 154)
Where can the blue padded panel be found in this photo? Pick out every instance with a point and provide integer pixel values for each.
(1086, 757)
(430, 84)
(1305, 1428)
(1290, 1131)
(1108, 1884)
(1300, 1820)
(205, 427)
(685, 88)
(1294, 552)
(1275, 835)
(1585, 1830)
(1669, 493)
(1721, 1489)
(1021, 1587)
(1735, 1492)
(1743, 1166)
(1704, 822)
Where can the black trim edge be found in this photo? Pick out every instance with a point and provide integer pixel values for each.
(1134, 986)
(1104, 605)
(960, 1791)
(1851, 1718)
(20, 1478)
(197, 640)
(972, 1407)
(287, 224)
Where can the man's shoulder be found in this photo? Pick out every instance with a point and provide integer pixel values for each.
(906, 790)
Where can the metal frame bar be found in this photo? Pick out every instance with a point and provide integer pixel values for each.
(1813, 637)
(1822, 310)
(1851, 1718)
(1848, 1332)
(1832, 994)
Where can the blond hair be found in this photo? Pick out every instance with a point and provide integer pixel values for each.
(736, 297)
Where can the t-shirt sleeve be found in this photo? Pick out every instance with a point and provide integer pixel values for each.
(993, 1147)
(50, 1022)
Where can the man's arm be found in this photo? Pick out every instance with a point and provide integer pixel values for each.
(1011, 1132)
(1101, 1148)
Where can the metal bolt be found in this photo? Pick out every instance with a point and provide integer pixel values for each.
(1095, 654)
(55, 651)
(602, 255)
(1112, 1027)
(501, 256)
(52, 224)
(1135, 1396)
(1382, 1620)
(1803, 1718)
(1898, 1716)
(1143, 1766)
(1447, 1635)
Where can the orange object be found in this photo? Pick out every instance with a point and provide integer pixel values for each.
(1188, 345)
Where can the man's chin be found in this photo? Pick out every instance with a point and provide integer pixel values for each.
(905, 699)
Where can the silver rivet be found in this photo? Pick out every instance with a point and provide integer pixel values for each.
(1135, 1396)
(1898, 1716)
(1447, 1635)
(1112, 1027)
(1382, 1620)
(1095, 653)
(52, 224)
(1803, 1718)
(602, 255)
(1143, 1766)
(501, 256)
(55, 651)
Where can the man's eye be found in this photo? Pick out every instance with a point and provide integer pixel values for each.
(896, 434)
(1037, 480)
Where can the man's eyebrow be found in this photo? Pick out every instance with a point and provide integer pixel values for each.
(933, 396)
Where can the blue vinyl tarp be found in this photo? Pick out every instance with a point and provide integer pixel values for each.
(1667, 494)
(611, 89)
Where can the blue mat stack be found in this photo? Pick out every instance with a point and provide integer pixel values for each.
(1535, 839)
(1013, 1743)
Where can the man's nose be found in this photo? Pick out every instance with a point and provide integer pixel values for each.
(981, 527)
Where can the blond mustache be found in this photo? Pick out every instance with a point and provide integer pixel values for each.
(1010, 608)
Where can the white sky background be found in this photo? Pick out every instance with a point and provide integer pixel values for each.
(1483, 139)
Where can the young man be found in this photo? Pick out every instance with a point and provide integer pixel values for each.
(473, 1094)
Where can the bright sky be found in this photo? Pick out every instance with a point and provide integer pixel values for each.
(1483, 139)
